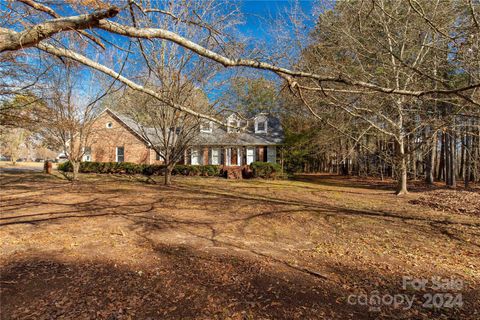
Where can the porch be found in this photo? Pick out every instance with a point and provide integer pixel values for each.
(230, 156)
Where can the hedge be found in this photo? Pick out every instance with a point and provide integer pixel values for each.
(145, 169)
(265, 170)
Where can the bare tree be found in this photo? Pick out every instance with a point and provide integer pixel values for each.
(168, 131)
(12, 141)
(178, 76)
(67, 114)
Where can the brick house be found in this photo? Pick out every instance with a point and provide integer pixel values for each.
(113, 138)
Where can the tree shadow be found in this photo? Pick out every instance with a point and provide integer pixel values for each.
(346, 181)
(230, 280)
(319, 206)
(354, 182)
(191, 284)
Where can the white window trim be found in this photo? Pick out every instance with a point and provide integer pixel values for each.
(195, 151)
(233, 121)
(233, 126)
(109, 125)
(239, 157)
(87, 157)
(252, 156)
(257, 121)
(228, 156)
(217, 150)
(209, 130)
(116, 154)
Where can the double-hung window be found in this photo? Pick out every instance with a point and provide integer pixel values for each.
(87, 154)
(215, 156)
(250, 155)
(195, 160)
(120, 154)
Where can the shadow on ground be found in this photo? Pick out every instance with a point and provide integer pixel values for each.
(187, 284)
(216, 270)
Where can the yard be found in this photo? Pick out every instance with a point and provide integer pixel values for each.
(118, 247)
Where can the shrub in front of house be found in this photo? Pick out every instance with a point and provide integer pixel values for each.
(65, 166)
(145, 169)
(265, 170)
(103, 167)
(152, 169)
(185, 170)
(210, 170)
(190, 170)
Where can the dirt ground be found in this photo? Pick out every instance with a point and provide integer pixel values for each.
(320, 247)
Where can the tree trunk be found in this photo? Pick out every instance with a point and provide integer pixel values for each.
(402, 177)
(447, 159)
(461, 168)
(429, 175)
(453, 159)
(441, 166)
(466, 172)
(75, 169)
(168, 175)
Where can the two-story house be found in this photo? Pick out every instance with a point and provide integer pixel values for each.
(116, 138)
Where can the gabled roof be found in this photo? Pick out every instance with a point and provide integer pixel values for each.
(219, 136)
(127, 122)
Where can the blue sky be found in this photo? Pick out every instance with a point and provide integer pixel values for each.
(256, 11)
(258, 28)
(257, 25)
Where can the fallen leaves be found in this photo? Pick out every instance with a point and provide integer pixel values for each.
(454, 201)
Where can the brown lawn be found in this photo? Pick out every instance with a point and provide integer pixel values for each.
(206, 248)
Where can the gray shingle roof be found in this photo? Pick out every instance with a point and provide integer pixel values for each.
(221, 137)
(247, 136)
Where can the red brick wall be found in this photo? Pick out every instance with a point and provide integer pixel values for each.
(153, 158)
(205, 155)
(104, 141)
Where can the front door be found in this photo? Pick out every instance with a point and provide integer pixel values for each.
(234, 157)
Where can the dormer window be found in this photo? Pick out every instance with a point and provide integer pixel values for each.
(206, 126)
(109, 125)
(233, 123)
(261, 124)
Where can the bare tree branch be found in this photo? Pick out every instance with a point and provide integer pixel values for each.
(52, 13)
(11, 40)
(97, 66)
(149, 33)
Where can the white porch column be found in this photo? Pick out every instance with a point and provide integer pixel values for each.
(239, 156)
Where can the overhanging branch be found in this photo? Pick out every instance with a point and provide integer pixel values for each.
(66, 53)
(11, 40)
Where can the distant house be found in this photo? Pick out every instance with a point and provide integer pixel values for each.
(115, 138)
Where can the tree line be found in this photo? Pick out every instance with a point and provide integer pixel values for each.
(408, 46)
